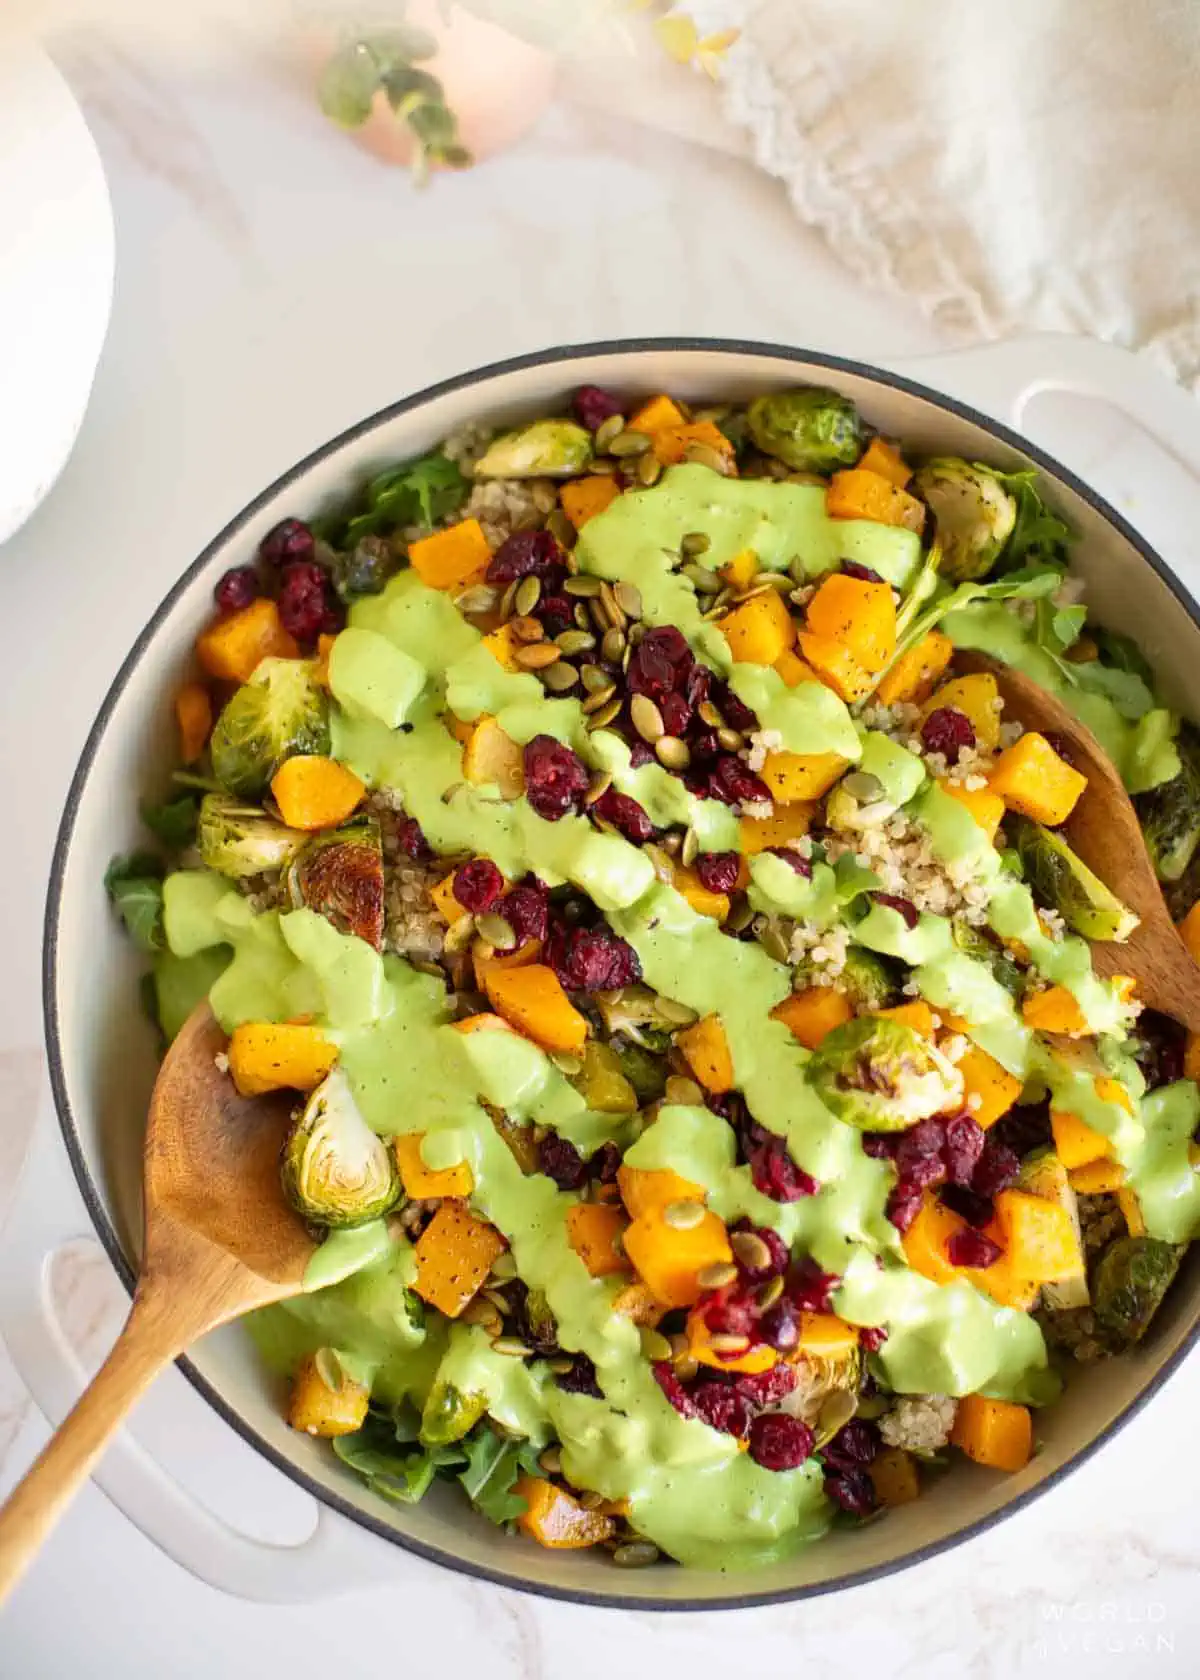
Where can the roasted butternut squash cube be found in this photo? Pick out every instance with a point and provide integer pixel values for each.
(996, 1433)
(455, 1252)
(740, 572)
(668, 1259)
(894, 1476)
(702, 899)
(794, 671)
(194, 720)
(978, 699)
(316, 1408)
(593, 1231)
(444, 901)
(986, 808)
(984, 1078)
(313, 792)
(1189, 931)
(647, 1192)
(913, 676)
(1075, 1142)
(885, 459)
(1097, 1178)
(502, 645)
(813, 1013)
(583, 498)
(798, 777)
(706, 1050)
(1040, 1240)
(787, 824)
(424, 1183)
(916, 1015)
(860, 493)
(233, 648)
(448, 559)
(671, 443)
(836, 667)
(826, 1336)
(1031, 778)
(925, 1241)
(1054, 1010)
(635, 1302)
(556, 1519)
(279, 1056)
(760, 630)
(532, 1000)
(859, 614)
(491, 756)
(655, 415)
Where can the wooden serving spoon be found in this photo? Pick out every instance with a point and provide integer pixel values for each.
(219, 1241)
(1104, 830)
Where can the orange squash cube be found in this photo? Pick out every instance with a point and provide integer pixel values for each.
(279, 1056)
(668, 1259)
(233, 648)
(583, 498)
(556, 1519)
(593, 1229)
(706, 1049)
(826, 1336)
(740, 572)
(996, 1088)
(314, 792)
(799, 777)
(885, 459)
(502, 645)
(913, 676)
(760, 630)
(894, 1476)
(451, 558)
(812, 1014)
(996, 1433)
(1075, 1142)
(1039, 1237)
(455, 1252)
(424, 1183)
(857, 613)
(794, 671)
(702, 899)
(925, 1241)
(491, 756)
(1054, 1010)
(699, 1340)
(646, 1192)
(655, 415)
(977, 698)
(194, 719)
(787, 823)
(1031, 778)
(916, 1015)
(986, 808)
(1097, 1178)
(860, 493)
(836, 667)
(532, 1000)
(671, 443)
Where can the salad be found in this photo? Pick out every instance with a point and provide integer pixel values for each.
(708, 1112)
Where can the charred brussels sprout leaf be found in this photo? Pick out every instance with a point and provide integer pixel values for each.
(363, 569)
(882, 1076)
(601, 1081)
(340, 876)
(134, 884)
(240, 840)
(1170, 814)
(547, 448)
(336, 1172)
(1129, 1282)
(973, 943)
(280, 712)
(645, 1070)
(1062, 881)
(975, 514)
(449, 1414)
(809, 429)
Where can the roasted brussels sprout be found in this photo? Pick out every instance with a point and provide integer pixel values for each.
(1061, 881)
(1170, 814)
(602, 1083)
(336, 1172)
(1043, 1174)
(810, 429)
(975, 514)
(363, 569)
(545, 449)
(869, 979)
(281, 711)
(972, 942)
(448, 1414)
(645, 1071)
(240, 840)
(1129, 1282)
(340, 876)
(881, 1076)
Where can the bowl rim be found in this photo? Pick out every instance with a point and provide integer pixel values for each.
(563, 355)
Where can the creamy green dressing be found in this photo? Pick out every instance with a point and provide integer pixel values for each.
(407, 658)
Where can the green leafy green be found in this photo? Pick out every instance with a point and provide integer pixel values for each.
(1039, 537)
(422, 492)
(390, 1466)
(174, 821)
(1121, 653)
(852, 879)
(134, 884)
(347, 85)
(493, 1465)
(1031, 583)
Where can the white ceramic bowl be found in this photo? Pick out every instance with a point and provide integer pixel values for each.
(102, 1056)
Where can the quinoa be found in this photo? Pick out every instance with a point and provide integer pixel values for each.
(762, 742)
(901, 854)
(264, 892)
(412, 926)
(921, 1423)
(467, 444)
(505, 505)
(825, 948)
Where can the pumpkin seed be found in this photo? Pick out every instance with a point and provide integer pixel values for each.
(683, 1216)
(756, 588)
(561, 529)
(585, 584)
(729, 739)
(529, 593)
(770, 1292)
(598, 786)
(496, 931)
(687, 1368)
(592, 1501)
(607, 430)
(536, 656)
(679, 1346)
(560, 677)
(646, 717)
(544, 493)
(663, 867)
(550, 1461)
(694, 543)
(654, 1344)
(484, 1314)
(723, 1343)
(600, 719)
(572, 560)
(673, 842)
(716, 608)
(459, 935)
(649, 470)
(717, 1275)
(526, 629)
(582, 617)
(702, 580)
(836, 1412)
(479, 599)
(672, 752)
(865, 787)
(595, 678)
(635, 634)
(599, 697)
(629, 443)
(690, 848)
(635, 1554)
(704, 455)
(714, 412)
(329, 1368)
(612, 607)
(613, 646)
(776, 580)
(683, 1091)
(560, 1367)
(507, 599)
(598, 615)
(709, 714)
(510, 1345)
(629, 599)
(498, 1298)
(751, 1250)
(504, 1265)
(678, 1014)
(773, 942)
(565, 1063)
(575, 641)
(741, 914)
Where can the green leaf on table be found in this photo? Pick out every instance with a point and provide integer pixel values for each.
(348, 83)
(134, 884)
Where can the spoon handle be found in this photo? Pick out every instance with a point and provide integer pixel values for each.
(148, 1342)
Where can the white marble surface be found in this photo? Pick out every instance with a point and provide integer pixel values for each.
(274, 285)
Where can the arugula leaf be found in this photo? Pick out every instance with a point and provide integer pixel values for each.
(1127, 691)
(1039, 537)
(493, 1465)
(134, 884)
(1121, 653)
(852, 878)
(394, 1470)
(1030, 583)
(173, 822)
(422, 492)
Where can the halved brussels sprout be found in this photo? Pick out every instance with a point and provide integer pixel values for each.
(1062, 881)
(809, 429)
(645, 1070)
(449, 1414)
(869, 980)
(240, 840)
(1044, 1175)
(601, 1082)
(826, 1392)
(336, 1172)
(974, 943)
(1170, 814)
(340, 876)
(281, 711)
(1129, 1282)
(545, 449)
(975, 514)
(881, 1076)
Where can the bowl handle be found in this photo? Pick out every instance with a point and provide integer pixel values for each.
(1004, 378)
(46, 1214)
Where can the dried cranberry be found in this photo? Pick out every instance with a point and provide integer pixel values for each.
(880, 1146)
(767, 1388)
(290, 540)
(593, 406)
(605, 1163)
(809, 1288)
(718, 871)
(727, 1104)
(591, 959)
(237, 589)
(412, 841)
(1160, 1046)
(625, 815)
(779, 1442)
(581, 1378)
(1023, 1128)
(775, 1174)
(925, 1138)
(779, 1326)
(477, 885)
(524, 554)
(559, 1159)
(855, 569)
(972, 1248)
(307, 605)
(962, 1148)
(777, 1252)
(679, 1397)
(975, 1209)
(855, 1443)
(903, 1205)
(675, 713)
(853, 1490)
(555, 778)
(1059, 744)
(996, 1169)
(731, 783)
(947, 731)
(872, 1337)
(660, 663)
(555, 613)
(721, 1406)
(639, 754)
(732, 1311)
(735, 712)
(902, 906)
(526, 909)
(799, 864)
(922, 1173)
(703, 746)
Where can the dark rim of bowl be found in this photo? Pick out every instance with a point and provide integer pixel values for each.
(563, 355)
